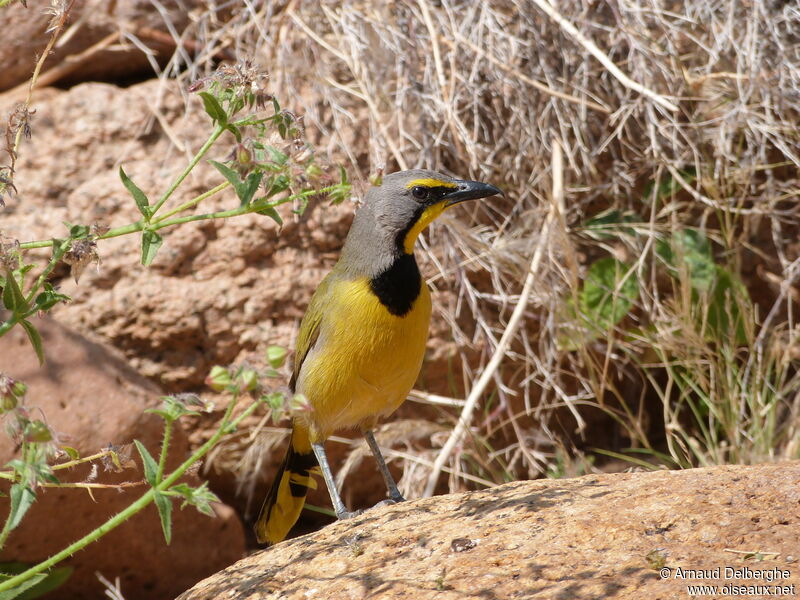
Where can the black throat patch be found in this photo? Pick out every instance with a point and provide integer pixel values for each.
(399, 285)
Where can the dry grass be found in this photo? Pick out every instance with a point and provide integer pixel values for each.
(487, 89)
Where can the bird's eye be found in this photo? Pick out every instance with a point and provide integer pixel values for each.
(419, 192)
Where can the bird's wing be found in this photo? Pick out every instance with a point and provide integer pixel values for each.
(310, 326)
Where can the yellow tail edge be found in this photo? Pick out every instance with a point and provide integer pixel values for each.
(287, 496)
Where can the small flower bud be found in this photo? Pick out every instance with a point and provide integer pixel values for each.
(7, 402)
(243, 155)
(248, 379)
(299, 403)
(276, 355)
(218, 379)
(38, 431)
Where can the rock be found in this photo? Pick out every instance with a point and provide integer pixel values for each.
(90, 397)
(90, 22)
(218, 292)
(632, 535)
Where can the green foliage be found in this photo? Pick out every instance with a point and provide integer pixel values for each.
(200, 497)
(142, 203)
(22, 498)
(609, 291)
(276, 355)
(33, 470)
(610, 224)
(263, 174)
(724, 378)
(35, 587)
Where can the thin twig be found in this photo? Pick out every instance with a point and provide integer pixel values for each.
(67, 65)
(601, 56)
(510, 331)
(524, 78)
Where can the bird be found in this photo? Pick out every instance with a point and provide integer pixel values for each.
(362, 339)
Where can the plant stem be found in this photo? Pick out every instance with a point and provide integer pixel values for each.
(6, 530)
(139, 504)
(193, 202)
(196, 159)
(57, 254)
(56, 27)
(162, 460)
(241, 210)
(161, 222)
(78, 461)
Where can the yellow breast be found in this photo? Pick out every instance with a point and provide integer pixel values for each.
(365, 360)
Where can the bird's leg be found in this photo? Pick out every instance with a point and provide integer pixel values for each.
(394, 493)
(327, 474)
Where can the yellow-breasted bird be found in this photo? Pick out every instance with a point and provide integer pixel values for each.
(362, 339)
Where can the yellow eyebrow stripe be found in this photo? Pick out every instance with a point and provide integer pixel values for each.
(431, 183)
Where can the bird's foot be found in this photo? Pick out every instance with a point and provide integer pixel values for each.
(390, 501)
(347, 514)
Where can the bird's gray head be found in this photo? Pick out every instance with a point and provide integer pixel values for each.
(395, 212)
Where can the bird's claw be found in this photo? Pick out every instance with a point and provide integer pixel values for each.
(347, 514)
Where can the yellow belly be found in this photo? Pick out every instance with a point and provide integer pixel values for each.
(365, 360)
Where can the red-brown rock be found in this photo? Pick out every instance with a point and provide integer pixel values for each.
(90, 397)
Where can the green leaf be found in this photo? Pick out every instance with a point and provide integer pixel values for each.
(200, 497)
(606, 298)
(35, 339)
(668, 186)
(228, 173)
(18, 591)
(213, 108)
(148, 462)
(164, 506)
(38, 585)
(237, 133)
(172, 409)
(249, 187)
(78, 232)
(22, 498)
(342, 191)
(272, 213)
(610, 224)
(13, 298)
(246, 189)
(608, 293)
(71, 452)
(689, 251)
(151, 242)
(142, 203)
(276, 156)
(278, 185)
(276, 355)
(49, 298)
(53, 580)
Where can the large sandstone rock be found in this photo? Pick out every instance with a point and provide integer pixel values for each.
(25, 37)
(91, 398)
(218, 291)
(607, 536)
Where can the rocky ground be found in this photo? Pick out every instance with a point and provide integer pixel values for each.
(634, 535)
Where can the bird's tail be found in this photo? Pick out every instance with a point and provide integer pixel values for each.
(287, 495)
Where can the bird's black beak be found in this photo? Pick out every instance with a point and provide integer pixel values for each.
(470, 190)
